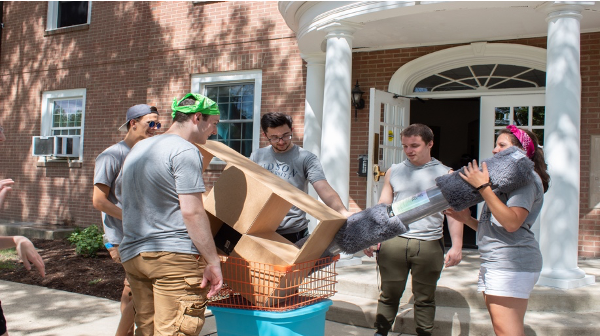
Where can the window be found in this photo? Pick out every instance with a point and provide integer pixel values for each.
(238, 96)
(62, 14)
(63, 113)
(531, 118)
(483, 77)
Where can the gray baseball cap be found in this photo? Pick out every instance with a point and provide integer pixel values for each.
(137, 111)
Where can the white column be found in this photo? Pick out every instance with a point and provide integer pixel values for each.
(335, 139)
(313, 112)
(313, 108)
(559, 232)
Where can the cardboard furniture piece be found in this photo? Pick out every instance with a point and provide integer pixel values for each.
(246, 205)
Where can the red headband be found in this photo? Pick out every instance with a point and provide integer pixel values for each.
(524, 139)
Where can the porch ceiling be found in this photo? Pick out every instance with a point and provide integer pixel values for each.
(401, 24)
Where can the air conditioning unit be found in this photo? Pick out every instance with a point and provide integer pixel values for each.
(43, 145)
(57, 145)
(67, 145)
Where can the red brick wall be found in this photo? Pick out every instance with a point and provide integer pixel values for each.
(133, 52)
(589, 224)
(147, 52)
(375, 69)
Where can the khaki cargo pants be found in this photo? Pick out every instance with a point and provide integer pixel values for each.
(166, 291)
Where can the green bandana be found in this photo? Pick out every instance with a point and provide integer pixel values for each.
(203, 105)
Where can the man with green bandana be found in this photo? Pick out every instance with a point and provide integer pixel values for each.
(168, 250)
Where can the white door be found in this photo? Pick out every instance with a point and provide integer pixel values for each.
(388, 115)
(497, 112)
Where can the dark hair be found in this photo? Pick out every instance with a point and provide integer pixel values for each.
(539, 162)
(153, 109)
(275, 119)
(418, 130)
(183, 117)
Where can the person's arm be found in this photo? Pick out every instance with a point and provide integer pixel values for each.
(5, 187)
(26, 252)
(454, 255)
(511, 218)
(198, 227)
(386, 197)
(387, 192)
(463, 216)
(101, 202)
(330, 197)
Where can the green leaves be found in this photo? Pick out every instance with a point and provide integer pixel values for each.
(87, 241)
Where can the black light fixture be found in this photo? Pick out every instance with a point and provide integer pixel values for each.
(357, 100)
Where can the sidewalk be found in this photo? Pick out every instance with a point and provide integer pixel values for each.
(39, 311)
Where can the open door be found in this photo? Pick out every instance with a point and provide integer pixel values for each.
(389, 114)
(525, 111)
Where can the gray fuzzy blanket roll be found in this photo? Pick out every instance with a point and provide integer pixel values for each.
(367, 228)
(509, 170)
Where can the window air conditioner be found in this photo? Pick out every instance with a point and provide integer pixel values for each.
(67, 145)
(58, 145)
(43, 145)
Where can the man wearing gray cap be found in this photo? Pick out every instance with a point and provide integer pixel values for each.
(141, 123)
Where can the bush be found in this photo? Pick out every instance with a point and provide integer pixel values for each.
(87, 241)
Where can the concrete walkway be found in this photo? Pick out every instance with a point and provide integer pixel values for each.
(39, 311)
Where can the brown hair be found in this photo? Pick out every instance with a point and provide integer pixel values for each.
(418, 130)
(539, 162)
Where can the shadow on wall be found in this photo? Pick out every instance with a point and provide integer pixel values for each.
(130, 54)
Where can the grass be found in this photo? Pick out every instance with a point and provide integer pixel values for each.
(95, 282)
(8, 259)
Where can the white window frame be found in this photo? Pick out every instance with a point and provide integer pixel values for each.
(52, 18)
(200, 81)
(48, 98)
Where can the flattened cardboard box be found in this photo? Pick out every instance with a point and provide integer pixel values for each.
(253, 202)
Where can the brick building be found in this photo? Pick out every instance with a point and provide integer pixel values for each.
(475, 67)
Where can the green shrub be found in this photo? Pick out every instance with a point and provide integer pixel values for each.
(87, 241)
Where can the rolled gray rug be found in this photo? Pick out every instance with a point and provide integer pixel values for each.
(509, 170)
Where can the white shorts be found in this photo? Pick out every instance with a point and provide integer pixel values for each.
(506, 283)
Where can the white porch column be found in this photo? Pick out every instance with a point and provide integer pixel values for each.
(313, 112)
(335, 139)
(313, 108)
(559, 232)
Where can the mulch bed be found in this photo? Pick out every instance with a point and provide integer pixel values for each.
(65, 270)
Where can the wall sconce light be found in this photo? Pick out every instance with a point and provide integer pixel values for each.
(357, 100)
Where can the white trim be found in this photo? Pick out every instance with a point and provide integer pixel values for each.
(199, 81)
(47, 98)
(52, 17)
(405, 78)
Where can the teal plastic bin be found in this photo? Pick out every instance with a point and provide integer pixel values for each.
(305, 321)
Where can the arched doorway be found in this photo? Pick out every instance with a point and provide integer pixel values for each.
(470, 92)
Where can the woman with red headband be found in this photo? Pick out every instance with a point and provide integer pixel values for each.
(511, 260)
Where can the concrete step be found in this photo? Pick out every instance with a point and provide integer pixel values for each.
(454, 321)
(32, 230)
(457, 288)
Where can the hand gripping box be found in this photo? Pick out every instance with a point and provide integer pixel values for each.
(245, 207)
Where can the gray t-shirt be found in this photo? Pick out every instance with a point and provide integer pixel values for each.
(408, 180)
(108, 172)
(155, 173)
(512, 251)
(298, 167)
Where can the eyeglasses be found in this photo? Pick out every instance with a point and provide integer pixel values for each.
(153, 123)
(285, 137)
